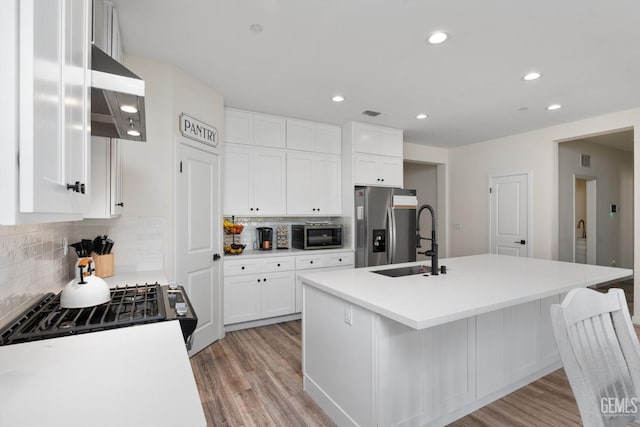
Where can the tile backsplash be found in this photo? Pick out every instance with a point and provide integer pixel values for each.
(33, 262)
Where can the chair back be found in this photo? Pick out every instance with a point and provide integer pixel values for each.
(600, 353)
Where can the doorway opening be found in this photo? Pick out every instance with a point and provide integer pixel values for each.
(586, 219)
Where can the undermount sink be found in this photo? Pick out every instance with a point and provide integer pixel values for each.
(404, 271)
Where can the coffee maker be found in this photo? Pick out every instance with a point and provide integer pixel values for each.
(265, 238)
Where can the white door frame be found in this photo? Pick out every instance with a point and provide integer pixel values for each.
(529, 175)
(177, 146)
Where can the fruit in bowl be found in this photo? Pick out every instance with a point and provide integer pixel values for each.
(231, 228)
(234, 249)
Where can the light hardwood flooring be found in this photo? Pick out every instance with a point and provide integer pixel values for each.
(253, 377)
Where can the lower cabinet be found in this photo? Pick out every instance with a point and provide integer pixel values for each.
(258, 289)
(320, 262)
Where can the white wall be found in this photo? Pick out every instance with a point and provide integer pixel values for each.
(149, 168)
(610, 167)
(424, 179)
(535, 152)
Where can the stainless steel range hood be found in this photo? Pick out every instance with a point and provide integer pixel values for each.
(117, 99)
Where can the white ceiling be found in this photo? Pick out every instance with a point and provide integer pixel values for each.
(373, 53)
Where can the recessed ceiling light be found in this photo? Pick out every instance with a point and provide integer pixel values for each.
(256, 28)
(534, 75)
(338, 98)
(554, 107)
(437, 37)
(133, 132)
(129, 109)
(421, 116)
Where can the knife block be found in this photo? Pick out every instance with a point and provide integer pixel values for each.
(103, 264)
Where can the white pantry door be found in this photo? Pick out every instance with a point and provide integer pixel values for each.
(198, 238)
(510, 215)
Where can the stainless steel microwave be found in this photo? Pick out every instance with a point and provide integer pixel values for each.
(325, 236)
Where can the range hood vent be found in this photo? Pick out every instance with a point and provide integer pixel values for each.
(116, 93)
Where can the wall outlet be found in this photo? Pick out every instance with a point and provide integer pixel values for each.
(457, 227)
(348, 315)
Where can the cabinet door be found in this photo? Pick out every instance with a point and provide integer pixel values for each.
(53, 57)
(269, 131)
(238, 181)
(238, 126)
(300, 176)
(75, 67)
(278, 294)
(391, 143)
(391, 171)
(115, 166)
(300, 135)
(327, 185)
(366, 139)
(269, 184)
(366, 170)
(242, 298)
(328, 139)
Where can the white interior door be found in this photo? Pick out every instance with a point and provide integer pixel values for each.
(510, 215)
(198, 238)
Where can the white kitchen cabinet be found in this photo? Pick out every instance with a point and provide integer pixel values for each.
(379, 140)
(316, 137)
(320, 262)
(48, 133)
(258, 289)
(106, 178)
(106, 153)
(254, 181)
(245, 127)
(381, 171)
(313, 184)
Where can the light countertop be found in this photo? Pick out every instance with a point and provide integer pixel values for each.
(250, 253)
(135, 376)
(137, 277)
(473, 285)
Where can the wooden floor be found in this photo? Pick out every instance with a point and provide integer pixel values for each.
(253, 377)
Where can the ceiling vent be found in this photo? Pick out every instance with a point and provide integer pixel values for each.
(371, 113)
(585, 160)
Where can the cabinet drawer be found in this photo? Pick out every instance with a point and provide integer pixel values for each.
(279, 264)
(306, 262)
(238, 267)
(337, 260)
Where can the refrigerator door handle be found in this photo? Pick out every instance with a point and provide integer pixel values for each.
(391, 248)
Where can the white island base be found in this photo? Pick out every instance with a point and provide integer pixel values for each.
(434, 366)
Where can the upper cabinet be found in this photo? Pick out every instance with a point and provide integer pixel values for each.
(372, 139)
(245, 127)
(50, 127)
(373, 155)
(254, 181)
(106, 153)
(313, 184)
(310, 136)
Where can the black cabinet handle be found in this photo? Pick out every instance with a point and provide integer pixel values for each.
(264, 280)
(339, 259)
(378, 179)
(242, 267)
(250, 209)
(318, 209)
(258, 280)
(314, 209)
(257, 209)
(311, 262)
(278, 265)
(382, 180)
(121, 204)
(77, 187)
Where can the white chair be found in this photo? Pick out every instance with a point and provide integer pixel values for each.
(601, 356)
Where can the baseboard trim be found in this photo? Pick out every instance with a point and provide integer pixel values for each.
(262, 322)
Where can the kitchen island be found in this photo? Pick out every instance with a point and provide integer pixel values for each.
(418, 350)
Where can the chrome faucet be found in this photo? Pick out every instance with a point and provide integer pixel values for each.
(584, 230)
(433, 252)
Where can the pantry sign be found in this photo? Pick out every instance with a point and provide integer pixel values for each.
(198, 131)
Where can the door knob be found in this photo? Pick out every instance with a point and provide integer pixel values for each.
(522, 242)
(217, 257)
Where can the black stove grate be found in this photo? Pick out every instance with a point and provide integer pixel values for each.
(129, 305)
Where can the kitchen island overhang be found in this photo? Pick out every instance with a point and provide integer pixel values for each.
(418, 350)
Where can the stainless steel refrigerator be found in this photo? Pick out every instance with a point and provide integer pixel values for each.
(385, 225)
